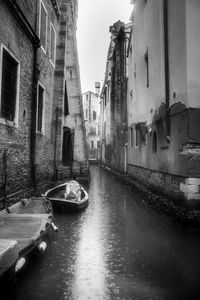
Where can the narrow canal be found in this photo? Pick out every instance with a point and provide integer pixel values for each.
(117, 248)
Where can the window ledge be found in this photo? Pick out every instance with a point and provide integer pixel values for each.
(8, 123)
(41, 134)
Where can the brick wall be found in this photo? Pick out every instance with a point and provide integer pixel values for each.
(16, 140)
(44, 141)
(29, 8)
(67, 72)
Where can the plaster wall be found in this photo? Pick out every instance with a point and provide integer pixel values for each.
(193, 46)
(147, 36)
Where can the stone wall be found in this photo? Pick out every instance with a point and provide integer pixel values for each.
(180, 189)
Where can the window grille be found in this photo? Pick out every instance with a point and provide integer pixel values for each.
(8, 86)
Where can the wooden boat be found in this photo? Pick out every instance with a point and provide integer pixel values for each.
(69, 195)
(23, 227)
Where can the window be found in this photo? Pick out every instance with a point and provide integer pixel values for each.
(40, 109)
(9, 87)
(98, 144)
(154, 142)
(92, 130)
(137, 135)
(43, 26)
(66, 106)
(52, 44)
(94, 115)
(86, 114)
(131, 137)
(92, 144)
(146, 57)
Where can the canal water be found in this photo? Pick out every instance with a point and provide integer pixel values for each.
(117, 248)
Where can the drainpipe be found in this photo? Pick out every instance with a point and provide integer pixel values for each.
(55, 146)
(5, 159)
(33, 118)
(34, 105)
(166, 58)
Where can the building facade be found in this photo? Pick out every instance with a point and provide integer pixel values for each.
(114, 134)
(91, 107)
(70, 149)
(163, 97)
(30, 38)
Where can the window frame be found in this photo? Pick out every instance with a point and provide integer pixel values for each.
(43, 110)
(3, 120)
(52, 28)
(42, 4)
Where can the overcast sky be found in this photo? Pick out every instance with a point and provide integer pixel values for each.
(94, 19)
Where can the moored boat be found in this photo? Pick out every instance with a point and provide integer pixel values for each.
(23, 228)
(69, 195)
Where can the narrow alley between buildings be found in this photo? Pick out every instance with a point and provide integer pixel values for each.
(117, 248)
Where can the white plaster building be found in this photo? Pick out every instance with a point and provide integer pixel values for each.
(91, 108)
(163, 97)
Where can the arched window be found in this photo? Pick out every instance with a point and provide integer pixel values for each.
(154, 142)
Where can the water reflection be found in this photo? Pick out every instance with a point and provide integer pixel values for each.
(117, 248)
(90, 277)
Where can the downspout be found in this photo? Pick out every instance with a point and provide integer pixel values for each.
(5, 161)
(34, 106)
(55, 146)
(33, 118)
(166, 59)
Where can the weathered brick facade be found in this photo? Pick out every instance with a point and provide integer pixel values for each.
(44, 144)
(15, 140)
(27, 143)
(67, 93)
(113, 105)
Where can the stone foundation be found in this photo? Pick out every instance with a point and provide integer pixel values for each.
(178, 188)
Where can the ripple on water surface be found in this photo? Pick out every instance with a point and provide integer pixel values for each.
(116, 248)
